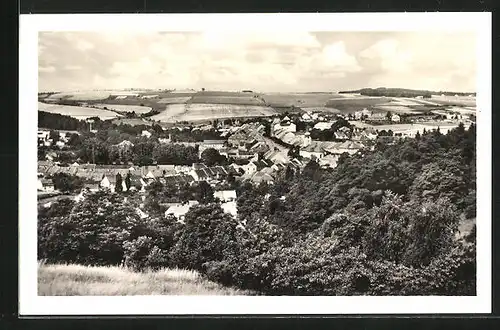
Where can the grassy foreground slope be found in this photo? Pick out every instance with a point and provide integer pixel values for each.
(77, 280)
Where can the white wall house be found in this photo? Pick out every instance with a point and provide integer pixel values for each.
(395, 118)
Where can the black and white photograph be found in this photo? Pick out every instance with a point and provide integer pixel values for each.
(257, 163)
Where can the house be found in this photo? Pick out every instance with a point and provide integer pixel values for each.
(147, 134)
(200, 175)
(339, 135)
(323, 125)
(315, 149)
(230, 208)
(395, 118)
(108, 183)
(260, 177)
(329, 161)
(39, 185)
(47, 185)
(379, 116)
(306, 117)
(60, 144)
(285, 126)
(274, 156)
(179, 210)
(358, 115)
(351, 147)
(225, 195)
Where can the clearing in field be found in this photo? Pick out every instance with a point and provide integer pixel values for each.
(77, 280)
(200, 112)
(303, 100)
(77, 112)
(125, 107)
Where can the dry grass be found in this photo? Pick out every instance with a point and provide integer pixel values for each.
(78, 280)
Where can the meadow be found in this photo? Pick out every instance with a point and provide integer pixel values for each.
(78, 280)
(454, 100)
(199, 112)
(299, 99)
(353, 104)
(174, 100)
(224, 99)
(77, 112)
(81, 96)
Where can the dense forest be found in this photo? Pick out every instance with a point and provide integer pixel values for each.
(383, 222)
(400, 92)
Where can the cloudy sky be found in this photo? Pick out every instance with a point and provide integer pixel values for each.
(270, 61)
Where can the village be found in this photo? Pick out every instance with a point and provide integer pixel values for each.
(258, 151)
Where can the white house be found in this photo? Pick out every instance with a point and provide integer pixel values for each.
(179, 210)
(47, 185)
(225, 195)
(312, 150)
(306, 117)
(360, 114)
(323, 125)
(146, 134)
(395, 118)
(285, 126)
(230, 208)
(60, 144)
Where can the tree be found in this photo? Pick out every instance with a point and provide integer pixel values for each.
(67, 183)
(204, 193)
(119, 182)
(54, 135)
(128, 181)
(211, 157)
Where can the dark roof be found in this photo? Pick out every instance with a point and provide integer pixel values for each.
(201, 173)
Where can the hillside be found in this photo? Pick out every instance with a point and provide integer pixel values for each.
(77, 280)
(401, 92)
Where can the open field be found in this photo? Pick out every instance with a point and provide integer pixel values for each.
(174, 100)
(77, 112)
(455, 100)
(398, 109)
(237, 100)
(201, 112)
(125, 108)
(320, 109)
(299, 99)
(81, 96)
(77, 280)
(356, 103)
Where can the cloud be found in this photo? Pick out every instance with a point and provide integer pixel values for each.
(73, 67)
(46, 69)
(260, 60)
(392, 58)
